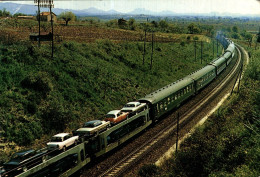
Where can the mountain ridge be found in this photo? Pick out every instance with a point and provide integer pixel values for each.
(92, 11)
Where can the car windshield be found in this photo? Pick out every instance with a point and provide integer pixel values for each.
(110, 116)
(56, 139)
(17, 157)
(89, 124)
(129, 105)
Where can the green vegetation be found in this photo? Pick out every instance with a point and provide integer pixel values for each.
(67, 16)
(4, 13)
(228, 144)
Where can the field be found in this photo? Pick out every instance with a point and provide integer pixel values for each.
(21, 29)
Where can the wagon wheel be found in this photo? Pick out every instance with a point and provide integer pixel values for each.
(24, 168)
(44, 158)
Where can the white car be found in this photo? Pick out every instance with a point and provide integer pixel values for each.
(92, 128)
(62, 141)
(133, 106)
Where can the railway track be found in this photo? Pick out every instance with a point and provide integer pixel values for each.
(125, 163)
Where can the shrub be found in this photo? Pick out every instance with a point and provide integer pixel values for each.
(39, 82)
(148, 170)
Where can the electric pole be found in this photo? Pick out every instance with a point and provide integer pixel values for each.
(213, 47)
(52, 43)
(217, 48)
(144, 41)
(201, 52)
(152, 52)
(39, 21)
(195, 47)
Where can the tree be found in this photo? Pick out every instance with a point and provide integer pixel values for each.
(131, 23)
(155, 24)
(235, 29)
(249, 38)
(192, 28)
(67, 16)
(163, 24)
(5, 13)
(122, 23)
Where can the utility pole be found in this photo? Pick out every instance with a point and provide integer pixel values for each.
(213, 48)
(195, 46)
(217, 48)
(39, 21)
(52, 43)
(144, 45)
(144, 42)
(152, 52)
(201, 43)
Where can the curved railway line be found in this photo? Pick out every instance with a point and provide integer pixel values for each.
(126, 163)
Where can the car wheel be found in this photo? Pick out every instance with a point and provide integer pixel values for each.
(24, 168)
(44, 158)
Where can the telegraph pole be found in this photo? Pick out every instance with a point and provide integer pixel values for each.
(213, 47)
(201, 43)
(52, 43)
(217, 48)
(144, 42)
(152, 51)
(39, 21)
(144, 45)
(195, 46)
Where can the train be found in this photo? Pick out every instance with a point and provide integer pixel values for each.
(154, 106)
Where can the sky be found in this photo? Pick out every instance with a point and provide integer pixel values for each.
(178, 6)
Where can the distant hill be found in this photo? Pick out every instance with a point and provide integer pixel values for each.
(32, 10)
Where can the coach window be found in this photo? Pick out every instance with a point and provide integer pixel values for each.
(161, 107)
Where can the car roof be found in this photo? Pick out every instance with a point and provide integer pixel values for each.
(93, 121)
(133, 102)
(24, 152)
(61, 135)
(114, 112)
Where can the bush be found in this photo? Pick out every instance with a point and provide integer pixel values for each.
(39, 82)
(148, 170)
